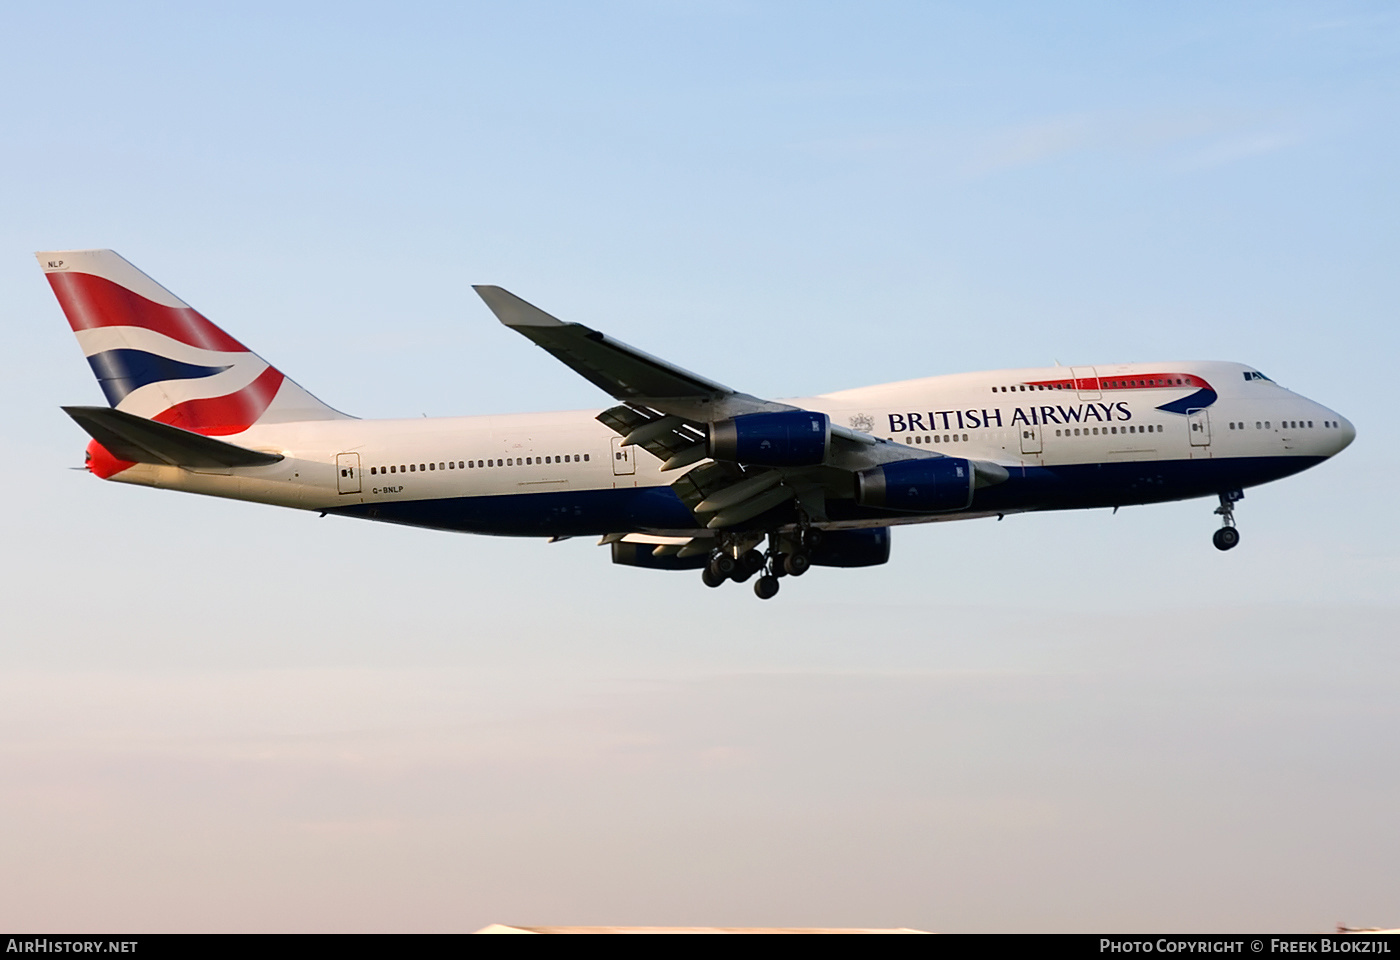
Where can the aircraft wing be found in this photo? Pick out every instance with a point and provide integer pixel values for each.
(626, 373)
(671, 413)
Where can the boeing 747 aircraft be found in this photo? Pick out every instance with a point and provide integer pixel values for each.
(683, 472)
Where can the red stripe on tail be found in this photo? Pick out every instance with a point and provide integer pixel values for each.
(220, 416)
(90, 301)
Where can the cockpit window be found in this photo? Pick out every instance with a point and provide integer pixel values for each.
(1255, 375)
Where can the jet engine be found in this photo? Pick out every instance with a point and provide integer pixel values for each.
(796, 438)
(852, 548)
(925, 485)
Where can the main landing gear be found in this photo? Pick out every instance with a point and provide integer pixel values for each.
(788, 555)
(1227, 537)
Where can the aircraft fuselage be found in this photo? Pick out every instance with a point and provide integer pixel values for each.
(1070, 438)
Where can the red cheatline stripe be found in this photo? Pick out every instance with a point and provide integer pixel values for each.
(1136, 381)
(90, 301)
(219, 416)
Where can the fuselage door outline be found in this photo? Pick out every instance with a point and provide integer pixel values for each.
(623, 458)
(1086, 381)
(347, 472)
(1199, 427)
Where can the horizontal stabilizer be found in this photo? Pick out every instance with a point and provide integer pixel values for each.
(133, 438)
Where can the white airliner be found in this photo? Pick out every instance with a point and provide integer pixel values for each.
(684, 472)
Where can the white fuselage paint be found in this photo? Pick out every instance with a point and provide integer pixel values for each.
(309, 478)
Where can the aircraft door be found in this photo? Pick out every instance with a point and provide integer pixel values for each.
(1199, 427)
(1086, 381)
(1030, 438)
(348, 468)
(624, 464)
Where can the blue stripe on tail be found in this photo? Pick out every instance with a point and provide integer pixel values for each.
(121, 371)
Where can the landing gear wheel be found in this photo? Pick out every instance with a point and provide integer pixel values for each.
(796, 564)
(723, 565)
(1226, 538)
(712, 577)
(779, 569)
(766, 588)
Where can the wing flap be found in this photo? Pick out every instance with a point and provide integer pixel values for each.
(663, 436)
(139, 440)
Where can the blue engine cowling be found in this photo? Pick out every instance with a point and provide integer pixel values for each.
(929, 485)
(795, 438)
(852, 548)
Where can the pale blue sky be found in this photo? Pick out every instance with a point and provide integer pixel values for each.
(222, 716)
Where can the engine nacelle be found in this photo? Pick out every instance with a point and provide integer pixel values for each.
(926, 485)
(852, 548)
(793, 438)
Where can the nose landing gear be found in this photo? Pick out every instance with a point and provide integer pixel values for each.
(1227, 537)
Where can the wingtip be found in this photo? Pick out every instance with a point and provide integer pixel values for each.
(511, 310)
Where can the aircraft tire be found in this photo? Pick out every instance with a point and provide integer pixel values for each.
(796, 564)
(1226, 538)
(766, 588)
(712, 577)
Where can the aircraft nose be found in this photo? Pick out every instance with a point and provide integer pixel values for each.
(1348, 433)
(1341, 437)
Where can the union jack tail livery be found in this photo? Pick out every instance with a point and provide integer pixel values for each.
(158, 358)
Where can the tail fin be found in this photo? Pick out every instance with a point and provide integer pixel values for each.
(157, 357)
